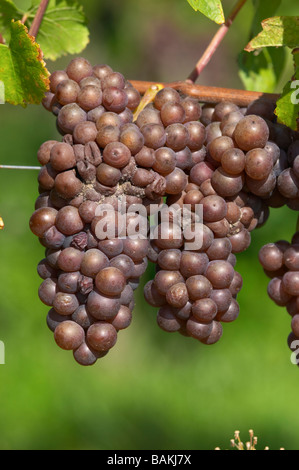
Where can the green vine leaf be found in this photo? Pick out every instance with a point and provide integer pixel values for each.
(261, 70)
(277, 31)
(212, 9)
(8, 12)
(22, 69)
(63, 29)
(287, 109)
(263, 9)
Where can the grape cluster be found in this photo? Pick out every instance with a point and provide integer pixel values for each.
(280, 261)
(104, 159)
(234, 163)
(196, 290)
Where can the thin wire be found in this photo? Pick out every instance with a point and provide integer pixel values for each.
(19, 167)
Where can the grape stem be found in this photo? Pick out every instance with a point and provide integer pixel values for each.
(25, 18)
(215, 42)
(1, 39)
(38, 18)
(208, 94)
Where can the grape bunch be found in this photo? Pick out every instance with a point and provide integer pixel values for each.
(228, 177)
(280, 262)
(233, 163)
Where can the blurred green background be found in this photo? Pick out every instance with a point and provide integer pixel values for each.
(153, 390)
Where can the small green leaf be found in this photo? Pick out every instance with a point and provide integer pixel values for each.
(63, 29)
(261, 71)
(212, 9)
(8, 12)
(263, 9)
(287, 109)
(22, 69)
(277, 31)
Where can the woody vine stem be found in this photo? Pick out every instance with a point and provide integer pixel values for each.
(205, 94)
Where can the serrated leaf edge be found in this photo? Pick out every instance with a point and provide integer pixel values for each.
(45, 77)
